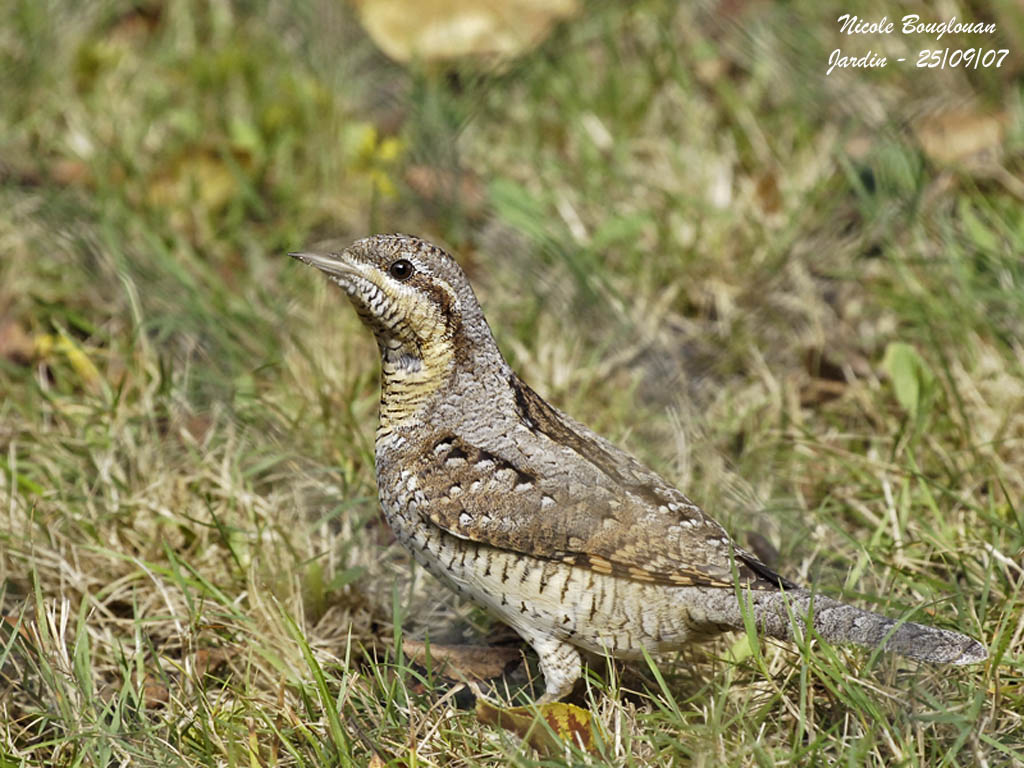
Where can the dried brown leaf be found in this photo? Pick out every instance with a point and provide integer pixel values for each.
(138, 23)
(207, 660)
(962, 135)
(442, 185)
(155, 694)
(463, 662)
(16, 344)
(817, 391)
(766, 192)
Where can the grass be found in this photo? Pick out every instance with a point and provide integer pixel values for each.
(798, 297)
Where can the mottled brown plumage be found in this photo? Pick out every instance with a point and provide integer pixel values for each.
(570, 540)
(614, 516)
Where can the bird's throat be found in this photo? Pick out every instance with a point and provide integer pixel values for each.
(411, 378)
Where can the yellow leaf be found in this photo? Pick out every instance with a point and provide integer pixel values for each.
(200, 176)
(363, 140)
(437, 30)
(44, 344)
(389, 149)
(215, 183)
(383, 182)
(47, 345)
(546, 728)
(79, 360)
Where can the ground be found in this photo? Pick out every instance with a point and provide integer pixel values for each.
(799, 296)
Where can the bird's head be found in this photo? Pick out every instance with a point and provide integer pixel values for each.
(414, 297)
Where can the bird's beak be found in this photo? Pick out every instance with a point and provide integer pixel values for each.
(333, 264)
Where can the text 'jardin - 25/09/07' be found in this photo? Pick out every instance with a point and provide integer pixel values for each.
(910, 24)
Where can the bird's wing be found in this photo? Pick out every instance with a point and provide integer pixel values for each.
(587, 504)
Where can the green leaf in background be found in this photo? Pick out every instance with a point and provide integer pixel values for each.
(912, 379)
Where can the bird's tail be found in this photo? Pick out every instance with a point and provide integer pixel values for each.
(778, 614)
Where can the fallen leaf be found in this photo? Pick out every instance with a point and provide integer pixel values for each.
(709, 70)
(734, 9)
(564, 723)
(463, 662)
(443, 30)
(137, 23)
(817, 391)
(197, 427)
(70, 173)
(47, 345)
(81, 362)
(201, 176)
(443, 185)
(766, 192)
(155, 694)
(207, 660)
(962, 135)
(19, 623)
(15, 343)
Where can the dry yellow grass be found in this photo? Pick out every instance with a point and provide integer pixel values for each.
(690, 240)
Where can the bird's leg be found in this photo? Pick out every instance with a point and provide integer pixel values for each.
(561, 665)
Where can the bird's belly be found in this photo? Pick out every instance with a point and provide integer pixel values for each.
(597, 612)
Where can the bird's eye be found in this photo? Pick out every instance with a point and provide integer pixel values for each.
(401, 269)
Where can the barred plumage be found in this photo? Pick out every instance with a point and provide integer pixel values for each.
(568, 539)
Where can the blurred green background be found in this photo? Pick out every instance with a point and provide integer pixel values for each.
(800, 297)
